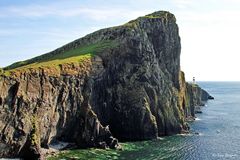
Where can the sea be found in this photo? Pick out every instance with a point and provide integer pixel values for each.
(214, 135)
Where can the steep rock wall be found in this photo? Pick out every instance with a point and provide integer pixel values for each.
(37, 109)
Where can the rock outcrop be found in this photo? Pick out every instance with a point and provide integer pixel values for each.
(132, 90)
(197, 98)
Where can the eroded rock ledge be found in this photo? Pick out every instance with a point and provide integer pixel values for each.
(132, 91)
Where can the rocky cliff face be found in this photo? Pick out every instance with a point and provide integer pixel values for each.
(132, 91)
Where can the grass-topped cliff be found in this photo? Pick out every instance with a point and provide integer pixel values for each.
(62, 56)
(76, 51)
(58, 57)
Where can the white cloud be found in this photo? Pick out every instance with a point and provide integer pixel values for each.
(99, 14)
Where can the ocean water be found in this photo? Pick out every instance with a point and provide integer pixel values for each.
(218, 137)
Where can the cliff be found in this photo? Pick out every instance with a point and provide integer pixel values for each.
(123, 82)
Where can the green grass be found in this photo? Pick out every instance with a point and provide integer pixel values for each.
(155, 15)
(51, 63)
(194, 85)
(1, 71)
(160, 14)
(34, 132)
(55, 59)
(62, 57)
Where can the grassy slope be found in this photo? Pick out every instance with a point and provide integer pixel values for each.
(50, 64)
(73, 55)
(54, 60)
(91, 49)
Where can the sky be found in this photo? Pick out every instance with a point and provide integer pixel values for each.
(209, 29)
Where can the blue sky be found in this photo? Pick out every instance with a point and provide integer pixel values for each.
(209, 29)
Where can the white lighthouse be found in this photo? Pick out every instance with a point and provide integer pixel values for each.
(194, 80)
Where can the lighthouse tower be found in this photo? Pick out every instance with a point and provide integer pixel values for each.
(194, 80)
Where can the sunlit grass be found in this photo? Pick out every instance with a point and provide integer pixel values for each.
(62, 57)
(55, 59)
(52, 63)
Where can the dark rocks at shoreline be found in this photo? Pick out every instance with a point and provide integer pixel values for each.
(210, 97)
(198, 111)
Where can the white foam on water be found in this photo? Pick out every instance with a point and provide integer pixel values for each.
(198, 119)
(200, 134)
(54, 148)
(160, 138)
(59, 145)
(185, 134)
